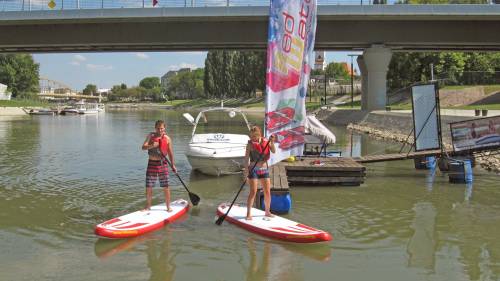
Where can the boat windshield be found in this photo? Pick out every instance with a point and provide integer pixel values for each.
(217, 121)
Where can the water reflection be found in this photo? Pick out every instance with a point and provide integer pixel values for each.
(422, 244)
(161, 259)
(280, 260)
(429, 179)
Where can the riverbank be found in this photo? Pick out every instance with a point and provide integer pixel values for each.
(396, 126)
(11, 111)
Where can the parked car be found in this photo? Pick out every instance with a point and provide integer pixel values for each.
(279, 118)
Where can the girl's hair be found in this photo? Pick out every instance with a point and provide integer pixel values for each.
(159, 123)
(255, 129)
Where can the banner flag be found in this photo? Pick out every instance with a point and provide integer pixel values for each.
(292, 29)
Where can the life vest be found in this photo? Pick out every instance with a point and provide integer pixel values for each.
(259, 148)
(163, 144)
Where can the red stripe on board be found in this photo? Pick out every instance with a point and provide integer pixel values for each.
(307, 227)
(289, 230)
(111, 221)
(132, 225)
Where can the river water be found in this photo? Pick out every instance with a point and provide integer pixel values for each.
(61, 175)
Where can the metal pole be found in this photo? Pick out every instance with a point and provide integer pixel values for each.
(324, 76)
(78, 4)
(352, 84)
(432, 72)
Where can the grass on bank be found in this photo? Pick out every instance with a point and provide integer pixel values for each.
(488, 89)
(23, 103)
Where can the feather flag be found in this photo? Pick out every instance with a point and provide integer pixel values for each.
(291, 34)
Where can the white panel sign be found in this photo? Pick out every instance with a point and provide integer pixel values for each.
(425, 117)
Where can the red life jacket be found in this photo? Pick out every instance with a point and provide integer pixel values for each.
(259, 148)
(162, 141)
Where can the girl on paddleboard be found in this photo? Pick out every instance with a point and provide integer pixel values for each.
(159, 146)
(257, 153)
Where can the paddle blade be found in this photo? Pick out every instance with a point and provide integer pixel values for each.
(220, 219)
(195, 199)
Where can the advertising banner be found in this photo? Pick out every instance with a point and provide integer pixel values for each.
(292, 29)
(476, 134)
(425, 117)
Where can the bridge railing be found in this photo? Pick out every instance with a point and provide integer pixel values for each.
(38, 5)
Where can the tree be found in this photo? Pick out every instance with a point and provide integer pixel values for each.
(90, 90)
(187, 84)
(150, 82)
(20, 73)
(234, 73)
(337, 71)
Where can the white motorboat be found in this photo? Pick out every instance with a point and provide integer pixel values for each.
(84, 108)
(216, 151)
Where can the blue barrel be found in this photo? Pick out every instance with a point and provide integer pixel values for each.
(460, 171)
(425, 163)
(430, 162)
(281, 203)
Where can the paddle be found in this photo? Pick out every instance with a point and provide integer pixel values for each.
(223, 217)
(195, 199)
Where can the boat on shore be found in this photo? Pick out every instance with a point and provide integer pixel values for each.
(42, 111)
(216, 151)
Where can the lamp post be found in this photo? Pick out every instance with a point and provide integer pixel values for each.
(352, 79)
(324, 84)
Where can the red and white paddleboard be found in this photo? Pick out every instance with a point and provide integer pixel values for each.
(275, 227)
(140, 222)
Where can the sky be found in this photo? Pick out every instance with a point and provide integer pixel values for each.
(104, 70)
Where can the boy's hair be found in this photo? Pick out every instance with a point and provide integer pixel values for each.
(159, 123)
(255, 129)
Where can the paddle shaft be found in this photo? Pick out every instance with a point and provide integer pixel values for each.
(195, 199)
(223, 217)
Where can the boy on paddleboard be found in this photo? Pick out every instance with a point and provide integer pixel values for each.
(159, 146)
(257, 153)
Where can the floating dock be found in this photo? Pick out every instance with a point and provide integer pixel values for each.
(317, 171)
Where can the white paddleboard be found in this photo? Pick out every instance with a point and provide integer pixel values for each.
(275, 227)
(140, 222)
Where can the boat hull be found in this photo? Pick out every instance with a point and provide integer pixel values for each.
(216, 166)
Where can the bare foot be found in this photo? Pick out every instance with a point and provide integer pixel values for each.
(269, 215)
(248, 218)
(146, 209)
(169, 210)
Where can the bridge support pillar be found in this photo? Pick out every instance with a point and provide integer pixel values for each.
(364, 82)
(374, 84)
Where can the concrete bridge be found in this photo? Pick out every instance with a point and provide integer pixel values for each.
(377, 30)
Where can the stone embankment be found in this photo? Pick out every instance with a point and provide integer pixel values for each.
(398, 127)
(11, 111)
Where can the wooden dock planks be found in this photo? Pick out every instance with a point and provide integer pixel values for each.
(317, 171)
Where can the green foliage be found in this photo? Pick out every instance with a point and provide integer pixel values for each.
(234, 73)
(135, 94)
(188, 84)
(20, 73)
(150, 82)
(90, 90)
(450, 68)
(23, 103)
(337, 71)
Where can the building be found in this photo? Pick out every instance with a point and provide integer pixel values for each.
(319, 60)
(164, 80)
(4, 95)
(166, 77)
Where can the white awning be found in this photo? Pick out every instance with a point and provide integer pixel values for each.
(316, 128)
